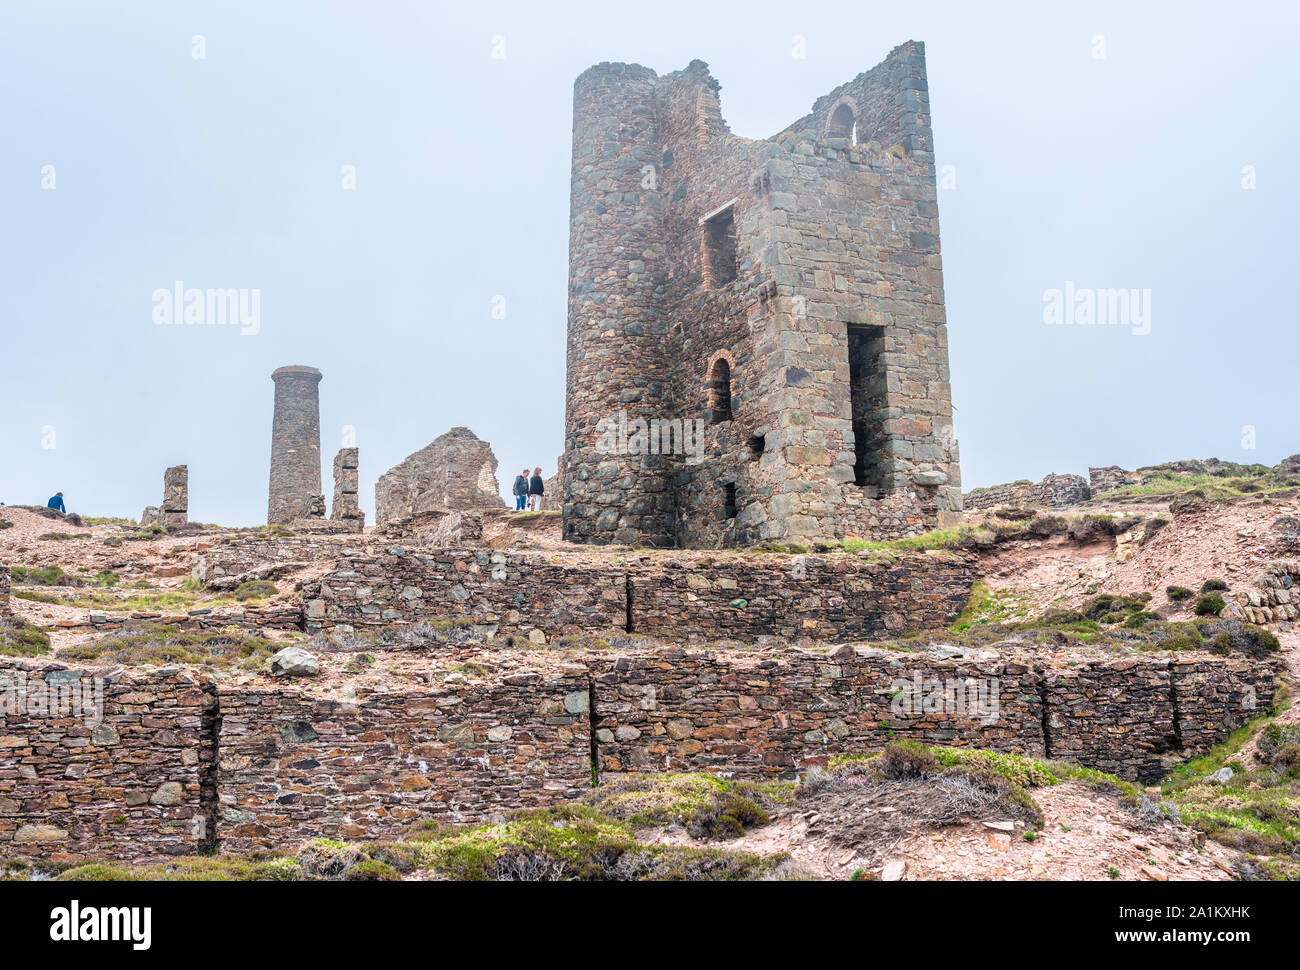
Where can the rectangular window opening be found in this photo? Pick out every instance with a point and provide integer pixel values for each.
(867, 391)
(729, 492)
(718, 247)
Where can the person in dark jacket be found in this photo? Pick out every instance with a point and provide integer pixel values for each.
(56, 503)
(535, 491)
(521, 490)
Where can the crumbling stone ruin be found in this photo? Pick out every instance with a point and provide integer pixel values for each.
(295, 491)
(5, 579)
(456, 471)
(1109, 478)
(176, 496)
(175, 508)
(1054, 491)
(347, 488)
(1275, 596)
(775, 307)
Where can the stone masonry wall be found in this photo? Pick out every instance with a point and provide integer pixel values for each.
(177, 765)
(787, 293)
(175, 509)
(1054, 491)
(1275, 596)
(294, 767)
(515, 592)
(764, 717)
(6, 578)
(456, 471)
(815, 597)
(237, 555)
(128, 785)
(347, 488)
(1109, 478)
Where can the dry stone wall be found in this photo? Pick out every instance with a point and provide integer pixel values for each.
(763, 717)
(814, 597)
(125, 781)
(1109, 478)
(1275, 595)
(173, 765)
(803, 596)
(234, 556)
(510, 592)
(294, 767)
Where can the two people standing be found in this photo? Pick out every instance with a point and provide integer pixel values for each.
(529, 491)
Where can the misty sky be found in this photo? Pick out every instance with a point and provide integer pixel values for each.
(1122, 171)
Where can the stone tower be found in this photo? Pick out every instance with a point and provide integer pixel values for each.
(295, 447)
(757, 343)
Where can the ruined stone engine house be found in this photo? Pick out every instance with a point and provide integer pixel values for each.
(785, 296)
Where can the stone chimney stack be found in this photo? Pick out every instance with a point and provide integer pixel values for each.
(295, 447)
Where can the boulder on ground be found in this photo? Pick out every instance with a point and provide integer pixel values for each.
(294, 662)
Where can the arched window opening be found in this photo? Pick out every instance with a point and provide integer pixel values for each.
(842, 123)
(718, 393)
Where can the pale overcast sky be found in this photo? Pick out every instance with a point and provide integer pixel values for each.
(1117, 171)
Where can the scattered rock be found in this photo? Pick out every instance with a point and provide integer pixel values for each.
(294, 662)
(893, 871)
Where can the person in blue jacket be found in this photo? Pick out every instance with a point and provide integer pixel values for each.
(56, 503)
(521, 490)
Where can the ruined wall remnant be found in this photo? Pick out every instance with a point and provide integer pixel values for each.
(786, 294)
(175, 508)
(456, 471)
(295, 491)
(1274, 595)
(1054, 491)
(1109, 478)
(347, 487)
(6, 577)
